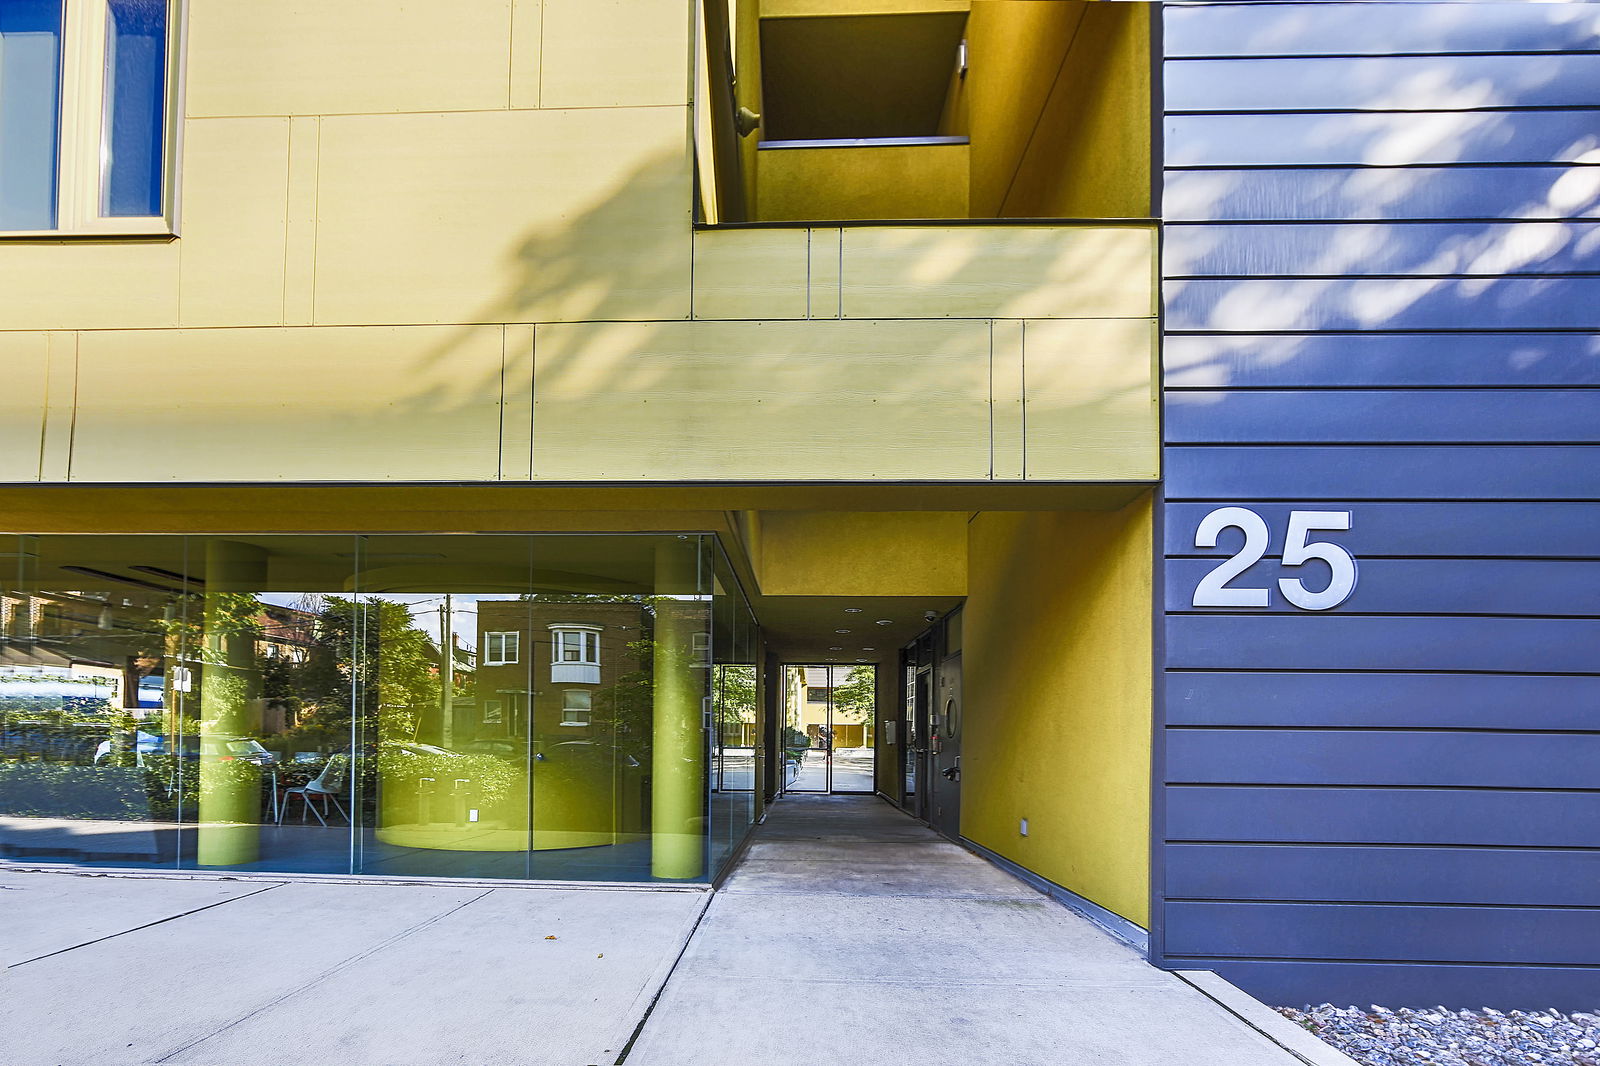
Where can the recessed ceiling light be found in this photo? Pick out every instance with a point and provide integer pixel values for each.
(841, 631)
(861, 660)
(836, 649)
(852, 610)
(886, 621)
(869, 649)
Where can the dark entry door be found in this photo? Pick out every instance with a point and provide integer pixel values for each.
(944, 749)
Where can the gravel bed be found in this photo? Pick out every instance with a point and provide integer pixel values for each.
(1408, 1036)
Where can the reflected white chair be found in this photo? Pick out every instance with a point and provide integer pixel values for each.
(327, 784)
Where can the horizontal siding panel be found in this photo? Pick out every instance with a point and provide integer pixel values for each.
(1372, 415)
(1302, 304)
(1380, 138)
(1561, 588)
(1383, 816)
(1436, 701)
(1383, 875)
(1293, 983)
(1442, 530)
(1398, 193)
(1385, 933)
(1343, 642)
(1382, 83)
(1442, 360)
(1385, 757)
(1457, 249)
(1331, 28)
(1375, 472)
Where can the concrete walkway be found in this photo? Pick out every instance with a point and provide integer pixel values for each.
(850, 934)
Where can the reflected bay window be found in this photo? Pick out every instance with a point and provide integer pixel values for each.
(575, 654)
(86, 115)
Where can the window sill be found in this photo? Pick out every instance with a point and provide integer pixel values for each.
(158, 229)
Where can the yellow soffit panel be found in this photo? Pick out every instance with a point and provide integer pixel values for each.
(817, 400)
(282, 404)
(998, 271)
(884, 553)
(505, 216)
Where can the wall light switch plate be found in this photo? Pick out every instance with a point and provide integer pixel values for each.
(1023, 827)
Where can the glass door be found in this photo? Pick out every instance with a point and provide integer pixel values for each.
(828, 739)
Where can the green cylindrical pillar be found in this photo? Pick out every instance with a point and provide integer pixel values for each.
(678, 762)
(230, 684)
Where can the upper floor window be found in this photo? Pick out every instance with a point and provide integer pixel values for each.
(86, 110)
(502, 649)
(575, 646)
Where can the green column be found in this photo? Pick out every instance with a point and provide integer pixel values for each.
(230, 687)
(678, 770)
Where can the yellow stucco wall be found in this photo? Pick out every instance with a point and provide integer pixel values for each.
(414, 249)
(1057, 690)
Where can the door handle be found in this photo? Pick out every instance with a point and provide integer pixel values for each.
(953, 771)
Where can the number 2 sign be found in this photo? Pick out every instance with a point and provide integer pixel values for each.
(1214, 590)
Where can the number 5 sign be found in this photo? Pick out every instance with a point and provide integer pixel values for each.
(1214, 590)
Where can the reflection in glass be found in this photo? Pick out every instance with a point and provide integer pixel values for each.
(135, 106)
(483, 706)
(30, 103)
(828, 728)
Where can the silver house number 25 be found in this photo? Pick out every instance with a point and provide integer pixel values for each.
(1214, 590)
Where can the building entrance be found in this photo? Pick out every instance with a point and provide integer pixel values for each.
(828, 734)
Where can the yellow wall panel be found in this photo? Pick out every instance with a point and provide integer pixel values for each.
(1015, 52)
(842, 184)
(751, 273)
(23, 370)
(516, 415)
(60, 408)
(823, 276)
(115, 284)
(877, 553)
(527, 28)
(1056, 635)
(999, 272)
(804, 8)
(1090, 157)
(300, 240)
(509, 216)
(284, 404)
(1006, 384)
(236, 174)
(312, 57)
(778, 400)
(1091, 408)
(615, 53)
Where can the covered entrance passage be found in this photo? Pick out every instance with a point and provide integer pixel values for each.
(875, 940)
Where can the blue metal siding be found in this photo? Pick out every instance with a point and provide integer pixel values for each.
(1380, 298)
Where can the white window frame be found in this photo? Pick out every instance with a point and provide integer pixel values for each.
(513, 644)
(589, 645)
(81, 121)
(567, 712)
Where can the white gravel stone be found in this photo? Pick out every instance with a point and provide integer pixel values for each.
(1437, 1036)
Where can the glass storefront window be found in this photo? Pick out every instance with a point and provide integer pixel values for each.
(389, 705)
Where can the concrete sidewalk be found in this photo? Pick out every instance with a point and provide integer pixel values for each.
(848, 934)
(851, 935)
